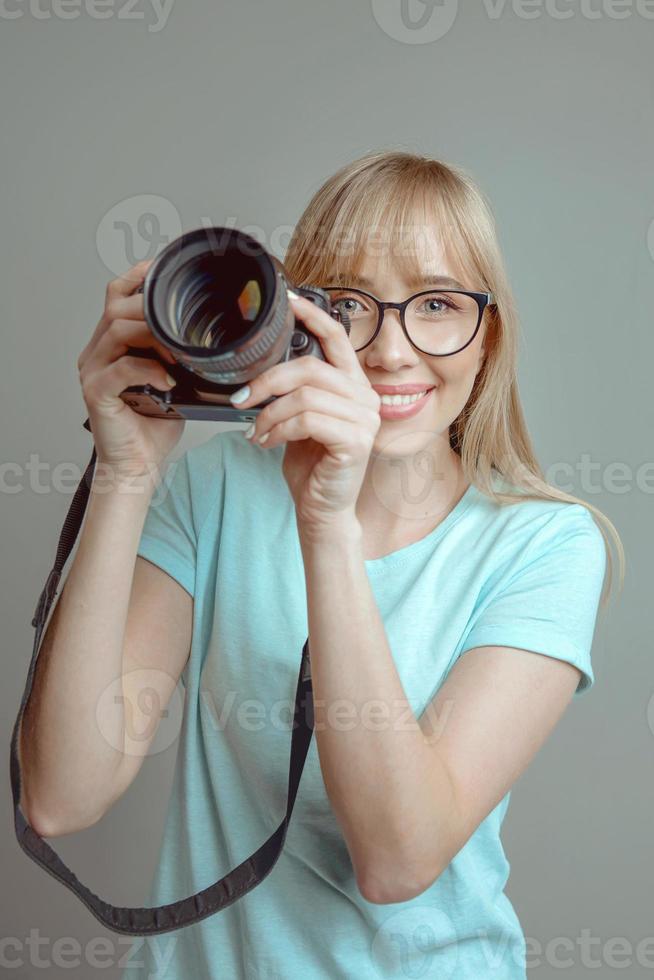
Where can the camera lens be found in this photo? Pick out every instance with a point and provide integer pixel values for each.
(218, 301)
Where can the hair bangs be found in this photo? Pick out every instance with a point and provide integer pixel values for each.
(400, 219)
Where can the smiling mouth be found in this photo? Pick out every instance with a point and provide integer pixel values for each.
(405, 399)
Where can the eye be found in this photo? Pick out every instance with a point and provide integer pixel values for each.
(352, 305)
(349, 303)
(436, 303)
(432, 304)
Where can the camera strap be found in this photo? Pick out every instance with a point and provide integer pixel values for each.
(235, 884)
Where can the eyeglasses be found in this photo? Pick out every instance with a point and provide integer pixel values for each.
(437, 322)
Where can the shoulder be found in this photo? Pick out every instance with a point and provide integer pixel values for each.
(540, 512)
(227, 466)
(209, 459)
(191, 482)
(536, 527)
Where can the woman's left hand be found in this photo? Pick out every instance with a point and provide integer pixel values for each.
(327, 413)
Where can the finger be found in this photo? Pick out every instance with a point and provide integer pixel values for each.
(338, 436)
(125, 307)
(117, 291)
(116, 339)
(333, 338)
(102, 387)
(116, 307)
(306, 399)
(126, 284)
(287, 375)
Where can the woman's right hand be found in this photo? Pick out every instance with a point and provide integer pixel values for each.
(128, 443)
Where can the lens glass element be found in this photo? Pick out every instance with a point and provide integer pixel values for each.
(213, 304)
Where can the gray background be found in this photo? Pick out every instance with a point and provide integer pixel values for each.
(236, 114)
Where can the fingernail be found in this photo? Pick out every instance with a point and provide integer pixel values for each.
(171, 380)
(240, 396)
(249, 432)
(292, 294)
(263, 437)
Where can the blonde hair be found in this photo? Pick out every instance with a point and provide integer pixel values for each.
(386, 190)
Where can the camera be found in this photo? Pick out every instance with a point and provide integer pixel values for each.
(217, 300)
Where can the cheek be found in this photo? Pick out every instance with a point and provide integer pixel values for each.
(451, 380)
(455, 385)
(458, 374)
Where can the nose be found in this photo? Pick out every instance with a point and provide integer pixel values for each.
(391, 348)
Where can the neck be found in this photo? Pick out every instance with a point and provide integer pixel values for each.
(406, 493)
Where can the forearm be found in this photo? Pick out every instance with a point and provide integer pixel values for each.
(389, 793)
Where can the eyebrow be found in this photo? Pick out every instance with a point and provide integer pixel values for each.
(415, 282)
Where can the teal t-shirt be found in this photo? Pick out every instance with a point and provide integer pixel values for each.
(222, 523)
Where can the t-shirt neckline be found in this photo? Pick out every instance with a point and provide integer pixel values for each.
(415, 547)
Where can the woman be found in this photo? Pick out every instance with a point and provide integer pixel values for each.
(398, 537)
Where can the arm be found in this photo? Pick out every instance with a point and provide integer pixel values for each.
(76, 763)
(406, 795)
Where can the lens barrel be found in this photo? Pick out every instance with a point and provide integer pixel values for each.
(217, 299)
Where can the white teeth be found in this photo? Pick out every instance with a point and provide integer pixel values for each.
(401, 399)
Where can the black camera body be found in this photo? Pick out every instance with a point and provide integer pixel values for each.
(218, 301)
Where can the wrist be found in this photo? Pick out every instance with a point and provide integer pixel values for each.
(341, 529)
(107, 481)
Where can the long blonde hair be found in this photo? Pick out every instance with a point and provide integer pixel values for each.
(385, 190)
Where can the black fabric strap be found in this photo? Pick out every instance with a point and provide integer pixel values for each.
(235, 884)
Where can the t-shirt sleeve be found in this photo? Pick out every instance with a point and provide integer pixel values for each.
(168, 538)
(549, 604)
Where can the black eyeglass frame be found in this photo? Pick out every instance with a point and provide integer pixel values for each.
(482, 300)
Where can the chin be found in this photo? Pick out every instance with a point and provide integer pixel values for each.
(393, 440)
